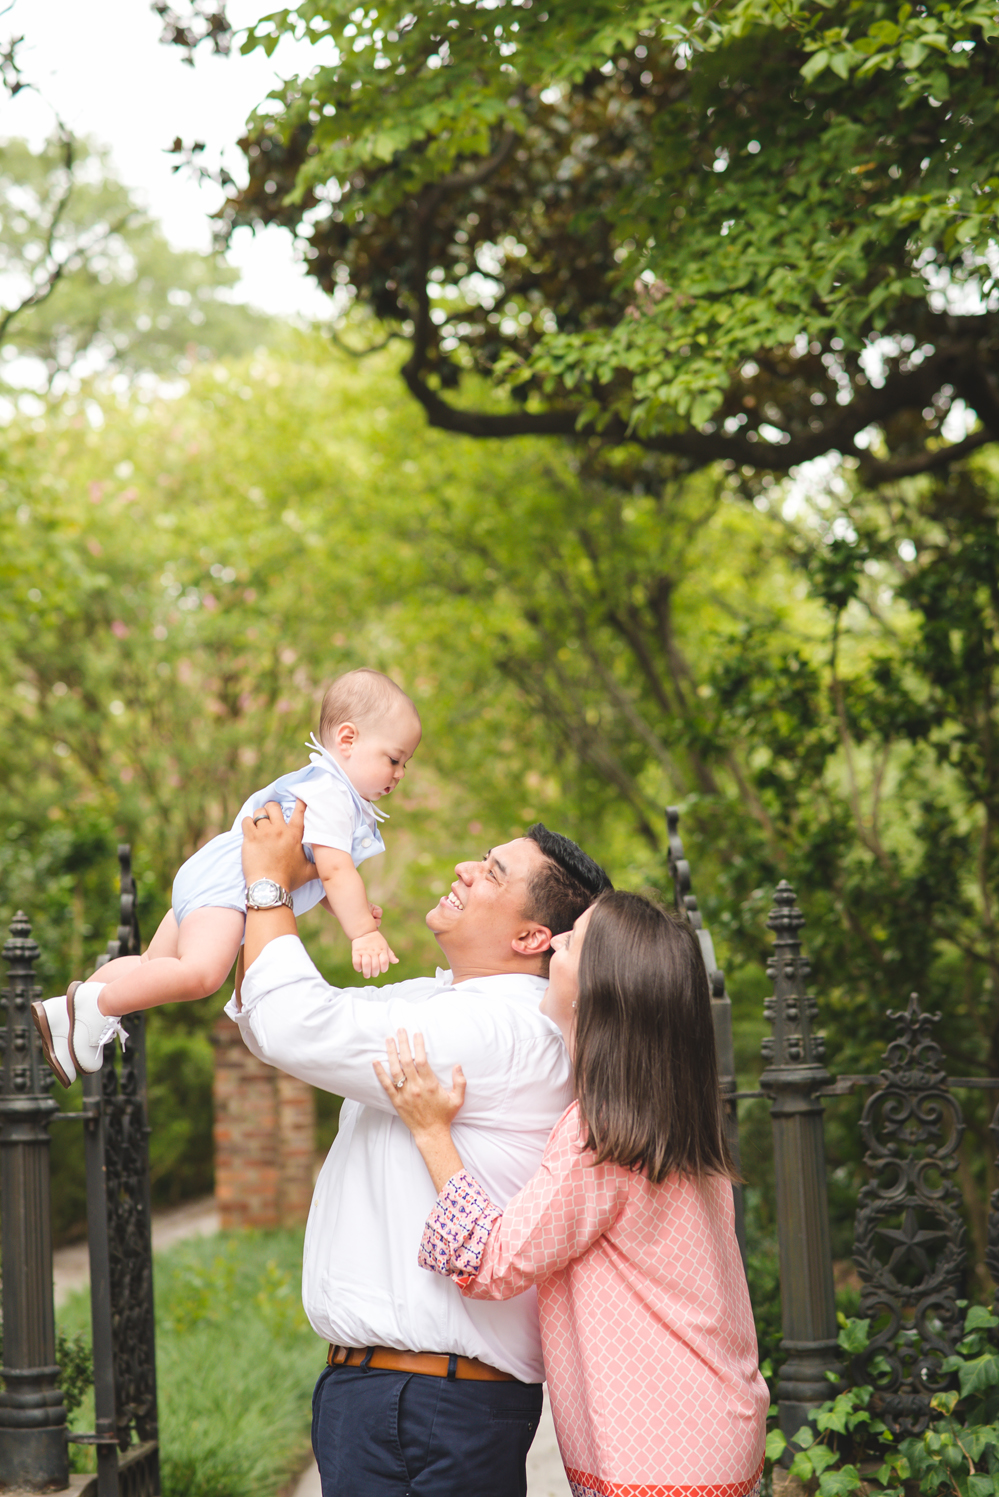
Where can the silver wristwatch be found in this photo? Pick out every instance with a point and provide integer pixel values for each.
(265, 894)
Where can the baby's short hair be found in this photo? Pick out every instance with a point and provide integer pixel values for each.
(357, 697)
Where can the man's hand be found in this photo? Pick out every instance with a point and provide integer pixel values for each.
(273, 849)
(371, 954)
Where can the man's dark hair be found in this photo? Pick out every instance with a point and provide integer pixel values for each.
(566, 884)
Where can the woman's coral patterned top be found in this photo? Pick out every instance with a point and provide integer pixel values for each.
(649, 1343)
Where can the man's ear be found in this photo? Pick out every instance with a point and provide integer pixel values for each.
(533, 941)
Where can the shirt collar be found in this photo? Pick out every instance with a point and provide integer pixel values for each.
(523, 985)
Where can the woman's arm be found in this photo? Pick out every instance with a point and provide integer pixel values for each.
(493, 1254)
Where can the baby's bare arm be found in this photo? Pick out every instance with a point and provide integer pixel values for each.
(345, 891)
(347, 899)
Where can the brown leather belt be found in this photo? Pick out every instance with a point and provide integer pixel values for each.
(429, 1363)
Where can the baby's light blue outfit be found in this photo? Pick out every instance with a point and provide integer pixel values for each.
(336, 816)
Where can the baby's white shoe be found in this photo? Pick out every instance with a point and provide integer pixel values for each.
(52, 1022)
(89, 1029)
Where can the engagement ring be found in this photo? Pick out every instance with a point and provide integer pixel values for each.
(400, 1084)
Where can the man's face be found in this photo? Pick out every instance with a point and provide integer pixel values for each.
(484, 912)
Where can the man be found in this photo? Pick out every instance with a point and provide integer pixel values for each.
(426, 1394)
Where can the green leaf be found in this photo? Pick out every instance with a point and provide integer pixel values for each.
(979, 1318)
(978, 1373)
(839, 1483)
(776, 1445)
(854, 1336)
(802, 1467)
(815, 64)
(912, 53)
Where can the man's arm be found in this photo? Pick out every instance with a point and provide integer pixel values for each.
(271, 849)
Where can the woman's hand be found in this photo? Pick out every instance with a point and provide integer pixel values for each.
(423, 1104)
(414, 1090)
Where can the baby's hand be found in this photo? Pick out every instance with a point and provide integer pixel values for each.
(376, 913)
(371, 954)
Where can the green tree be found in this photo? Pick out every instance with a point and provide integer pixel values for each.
(90, 283)
(744, 231)
(587, 641)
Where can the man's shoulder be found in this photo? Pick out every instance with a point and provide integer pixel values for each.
(496, 1017)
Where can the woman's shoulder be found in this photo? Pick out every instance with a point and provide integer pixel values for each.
(567, 1148)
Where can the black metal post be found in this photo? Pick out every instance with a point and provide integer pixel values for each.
(33, 1451)
(793, 1075)
(120, 1235)
(721, 1005)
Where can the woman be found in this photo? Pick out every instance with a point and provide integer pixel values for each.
(627, 1229)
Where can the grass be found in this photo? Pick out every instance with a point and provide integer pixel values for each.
(236, 1363)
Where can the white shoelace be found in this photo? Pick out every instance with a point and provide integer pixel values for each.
(111, 1028)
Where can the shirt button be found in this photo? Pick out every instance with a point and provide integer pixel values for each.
(365, 841)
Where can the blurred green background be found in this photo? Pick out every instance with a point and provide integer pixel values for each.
(199, 537)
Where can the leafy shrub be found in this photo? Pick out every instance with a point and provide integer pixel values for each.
(75, 1360)
(76, 1369)
(852, 1450)
(236, 1361)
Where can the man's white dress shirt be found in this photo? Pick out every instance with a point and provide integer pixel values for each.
(361, 1283)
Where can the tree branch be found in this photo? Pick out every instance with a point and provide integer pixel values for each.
(901, 391)
(873, 472)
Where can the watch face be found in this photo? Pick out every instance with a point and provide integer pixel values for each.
(264, 891)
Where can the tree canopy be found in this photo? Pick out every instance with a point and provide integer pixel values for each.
(818, 693)
(733, 231)
(91, 285)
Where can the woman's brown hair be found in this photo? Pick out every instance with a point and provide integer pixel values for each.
(646, 1071)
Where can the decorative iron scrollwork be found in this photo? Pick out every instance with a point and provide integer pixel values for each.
(992, 1251)
(121, 1239)
(126, 1163)
(909, 1244)
(791, 1011)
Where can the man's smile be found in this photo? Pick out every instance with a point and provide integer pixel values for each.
(452, 901)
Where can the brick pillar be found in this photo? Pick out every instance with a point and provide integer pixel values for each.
(264, 1138)
(296, 1119)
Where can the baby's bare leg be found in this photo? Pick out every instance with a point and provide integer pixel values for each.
(164, 943)
(207, 943)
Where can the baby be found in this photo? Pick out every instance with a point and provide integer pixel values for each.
(368, 731)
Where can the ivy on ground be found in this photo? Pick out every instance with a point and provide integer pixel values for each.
(852, 1450)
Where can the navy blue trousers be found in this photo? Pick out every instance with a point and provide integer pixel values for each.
(397, 1434)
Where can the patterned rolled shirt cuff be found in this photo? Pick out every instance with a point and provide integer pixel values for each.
(457, 1230)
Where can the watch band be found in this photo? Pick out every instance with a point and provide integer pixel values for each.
(283, 898)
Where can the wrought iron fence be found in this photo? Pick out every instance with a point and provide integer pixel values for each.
(33, 1432)
(910, 1246)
